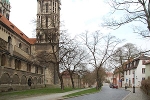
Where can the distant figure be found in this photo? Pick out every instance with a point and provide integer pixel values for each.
(29, 81)
(126, 85)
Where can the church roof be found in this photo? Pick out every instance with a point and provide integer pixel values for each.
(10, 25)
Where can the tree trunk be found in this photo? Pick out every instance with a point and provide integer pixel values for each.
(97, 80)
(72, 81)
(60, 78)
(61, 83)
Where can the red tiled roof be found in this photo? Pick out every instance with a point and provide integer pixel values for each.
(16, 30)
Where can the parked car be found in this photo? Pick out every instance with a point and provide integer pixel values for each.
(115, 86)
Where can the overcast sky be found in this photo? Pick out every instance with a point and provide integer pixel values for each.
(76, 15)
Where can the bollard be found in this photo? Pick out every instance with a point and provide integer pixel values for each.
(133, 89)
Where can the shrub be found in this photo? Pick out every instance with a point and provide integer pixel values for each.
(145, 86)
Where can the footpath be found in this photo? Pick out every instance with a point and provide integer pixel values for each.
(57, 96)
(138, 95)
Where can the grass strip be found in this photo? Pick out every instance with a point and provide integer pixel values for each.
(89, 91)
(31, 92)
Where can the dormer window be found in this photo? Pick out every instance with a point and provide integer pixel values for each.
(12, 26)
(21, 33)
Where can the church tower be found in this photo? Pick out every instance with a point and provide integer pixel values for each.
(5, 8)
(48, 19)
(47, 36)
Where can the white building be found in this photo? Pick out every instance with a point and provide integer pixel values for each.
(135, 71)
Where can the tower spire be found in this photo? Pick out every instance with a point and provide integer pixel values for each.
(5, 8)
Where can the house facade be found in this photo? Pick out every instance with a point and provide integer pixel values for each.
(134, 71)
(109, 77)
(147, 69)
(18, 67)
(118, 77)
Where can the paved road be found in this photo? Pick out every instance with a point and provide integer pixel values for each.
(105, 94)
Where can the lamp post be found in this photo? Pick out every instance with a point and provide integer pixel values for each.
(134, 83)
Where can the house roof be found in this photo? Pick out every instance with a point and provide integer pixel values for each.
(132, 66)
(10, 25)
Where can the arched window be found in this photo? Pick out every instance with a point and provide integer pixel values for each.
(3, 60)
(9, 39)
(7, 16)
(4, 11)
(20, 45)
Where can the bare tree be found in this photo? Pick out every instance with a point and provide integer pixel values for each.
(125, 53)
(131, 11)
(100, 48)
(73, 60)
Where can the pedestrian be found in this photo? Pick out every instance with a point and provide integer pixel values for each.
(126, 86)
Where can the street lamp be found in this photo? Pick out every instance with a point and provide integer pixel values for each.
(134, 82)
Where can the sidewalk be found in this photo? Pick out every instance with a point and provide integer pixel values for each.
(57, 96)
(138, 95)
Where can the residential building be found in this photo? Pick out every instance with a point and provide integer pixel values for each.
(147, 69)
(109, 77)
(118, 77)
(18, 67)
(134, 71)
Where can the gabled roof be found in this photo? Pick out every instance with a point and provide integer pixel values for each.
(10, 25)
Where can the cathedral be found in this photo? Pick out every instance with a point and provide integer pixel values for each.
(24, 61)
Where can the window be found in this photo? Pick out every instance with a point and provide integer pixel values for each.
(133, 64)
(46, 7)
(7, 16)
(133, 72)
(36, 70)
(0, 10)
(46, 21)
(3, 60)
(27, 50)
(28, 67)
(41, 70)
(9, 39)
(41, 21)
(17, 64)
(143, 70)
(143, 78)
(20, 45)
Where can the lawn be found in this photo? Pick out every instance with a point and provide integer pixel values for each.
(32, 92)
(92, 90)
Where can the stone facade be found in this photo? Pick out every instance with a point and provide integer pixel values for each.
(19, 68)
(78, 81)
